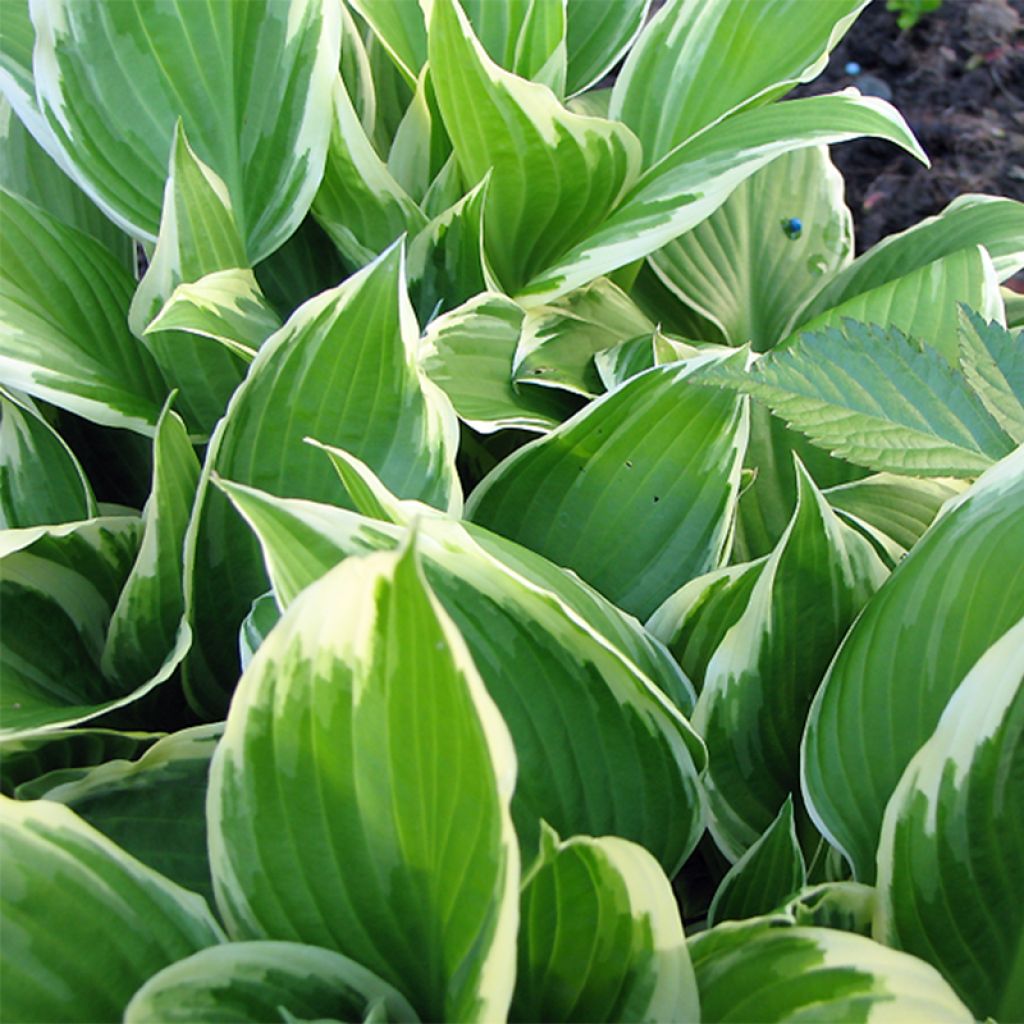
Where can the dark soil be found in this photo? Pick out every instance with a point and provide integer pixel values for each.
(957, 77)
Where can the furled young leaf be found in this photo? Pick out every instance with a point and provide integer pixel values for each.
(342, 369)
(359, 204)
(600, 937)
(559, 341)
(878, 398)
(41, 480)
(147, 620)
(959, 589)
(421, 146)
(63, 332)
(400, 29)
(692, 181)
(83, 924)
(58, 587)
(153, 808)
(636, 492)
(226, 306)
(759, 683)
(846, 906)
(770, 871)
(554, 175)
(752, 971)
(952, 843)
(631, 357)
(992, 360)
(261, 981)
(696, 62)
(468, 353)
(256, 626)
(411, 769)
(748, 268)
(598, 33)
(995, 223)
(112, 80)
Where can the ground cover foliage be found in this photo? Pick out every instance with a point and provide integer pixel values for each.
(498, 555)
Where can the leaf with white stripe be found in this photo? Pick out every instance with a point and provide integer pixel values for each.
(343, 369)
(469, 351)
(400, 29)
(603, 750)
(250, 81)
(408, 861)
(636, 492)
(693, 181)
(63, 331)
(696, 62)
(600, 937)
(41, 480)
(264, 981)
(84, 924)
(598, 33)
(992, 359)
(959, 589)
(951, 851)
(554, 175)
(759, 683)
(752, 971)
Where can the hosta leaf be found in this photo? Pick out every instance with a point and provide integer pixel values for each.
(878, 398)
(421, 146)
(411, 768)
(59, 587)
(27, 170)
(631, 770)
(153, 808)
(770, 871)
(468, 352)
(618, 364)
(846, 906)
(759, 683)
(695, 63)
(952, 843)
(256, 626)
(598, 33)
(559, 342)
(356, 71)
(400, 29)
(41, 481)
(226, 306)
(992, 360)
(63, 332)
(147, 620)
(198, 235)
(100, 68)
(260, 981)
(748, 268)
(84, 924)
(959, 588)
(924, 302)
(1014, 305)
(554, 175)
(636, 492)
(692, 181)
(600, 937)
(995, 223)
(342, 369)
(756, 972)
(359, 204)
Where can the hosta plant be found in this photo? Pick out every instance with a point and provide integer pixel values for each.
(475, 545)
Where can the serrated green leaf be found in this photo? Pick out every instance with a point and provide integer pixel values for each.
(770, 871)
(877, 398)
(342, 369)
(554, 175)
(265, 981)
(752, 971)
(694, 63)
(959, 589)
(41, 480)
(63, 332)
(412, 768)
(119, 921)
(113, 79)
(636, 492)
(600, 937)
(952, 844)
(992, 360)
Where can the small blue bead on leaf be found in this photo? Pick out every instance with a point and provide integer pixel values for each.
(793, 227)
